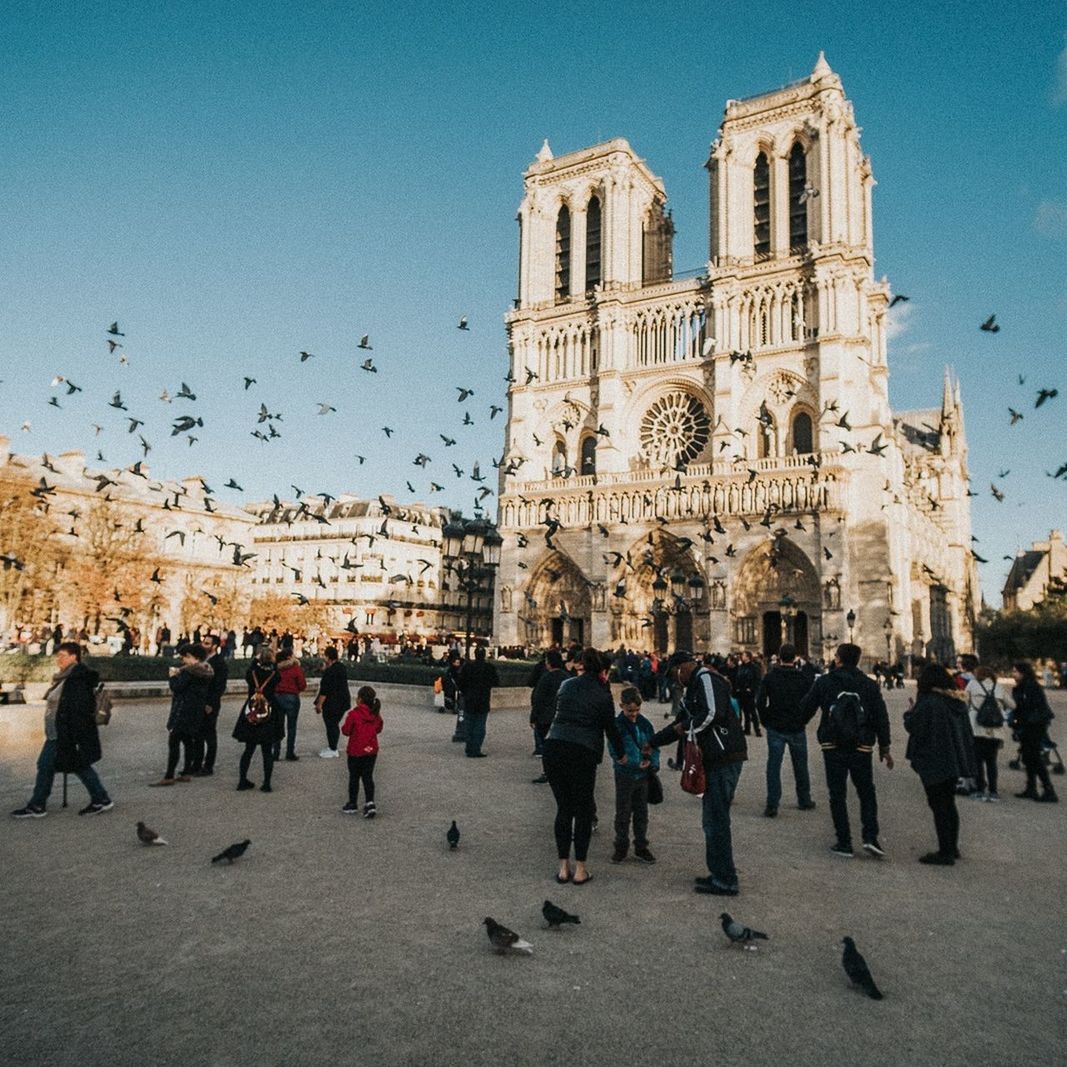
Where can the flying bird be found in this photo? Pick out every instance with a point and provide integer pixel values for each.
(856, 968)
(113, 329)
(304, 357)
(1046, 394)
(504, 940)
(990, 325)
(232, 852)
(1015, 416)
(494, 410)
(463, 324)
(899, 298)
(464, 393)
(325, 409)
(364, 342)
(368, 365)
(556, 917)
(147, 836)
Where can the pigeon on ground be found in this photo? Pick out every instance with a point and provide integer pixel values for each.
(856, 969)
(738, 934)
(233, 852)
(148, 837)
(555, 917)
(504, 940)
(452, 837)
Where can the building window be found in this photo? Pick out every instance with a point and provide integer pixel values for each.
(563, 254)
(589, 455)
(559, 458)
(802, 435)
(798, 205)
(761, 187)
(592, 244)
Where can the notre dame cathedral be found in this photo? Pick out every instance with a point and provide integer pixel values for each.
(712, 461)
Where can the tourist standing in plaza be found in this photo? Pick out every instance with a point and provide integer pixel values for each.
(477, 680)
(989, 703)
(333, 700)
(853, 720)
(585, 713)
(262, 679)
(633, 777)
(207, 746)
(940, 751)
(291, 683)
(362, 726)
(707, 715)
(543, 702)
(71, 738)
(745, 686)
(189, 697)
(778, 707)
(1030, 722)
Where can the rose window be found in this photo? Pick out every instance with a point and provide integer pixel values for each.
(675, 429)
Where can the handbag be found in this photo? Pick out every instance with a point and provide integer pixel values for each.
(439, 698)
(693, 778)
(655, 788)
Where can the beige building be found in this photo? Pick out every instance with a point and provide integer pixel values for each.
(1033, 571)
(714, 458)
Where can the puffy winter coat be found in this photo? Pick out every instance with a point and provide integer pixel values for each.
(362, 727)
(940, 741)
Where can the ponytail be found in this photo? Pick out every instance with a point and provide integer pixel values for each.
(366, 695)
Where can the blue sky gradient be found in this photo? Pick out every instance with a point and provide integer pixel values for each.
(237, 182)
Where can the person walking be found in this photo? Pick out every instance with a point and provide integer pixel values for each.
(291, 683)
(777, 707)
(853, 719)
(941, 751)
(543, 701)
(71, 737)
(203, 765)
(477, 679)
(1030, 722)
(333, 700)
(989, 704)
(573, 748)
(707, 715)
(189, 685)
(633, 777)
(253, 729)
(362, 726)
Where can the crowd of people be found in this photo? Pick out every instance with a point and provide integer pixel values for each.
(955, 726)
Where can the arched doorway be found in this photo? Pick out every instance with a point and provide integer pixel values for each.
(557, 607)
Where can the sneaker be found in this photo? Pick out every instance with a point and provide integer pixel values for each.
(369, 810)
(993, 798)
(291, 757)
(715, 889)
(328, 753)
(873, 848)
(644, 855)
(596, 824)
(96, 807)
(770, 812)
(620, 853)
(205, 773)
(246, 784)
(809, 806)
(539, 781)
(839, 849)
(979, 794)
(1048, 797)
(935, 859)
(265, 788)
(351, 809)
(31, 811)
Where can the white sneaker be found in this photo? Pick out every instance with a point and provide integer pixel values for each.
(329, 753)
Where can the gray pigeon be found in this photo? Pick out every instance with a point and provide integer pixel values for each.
(504, 940)
(856, 969)
(147, 836)
(556, 917)
(738, 934)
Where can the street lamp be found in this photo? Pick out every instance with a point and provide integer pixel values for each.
(850, 619)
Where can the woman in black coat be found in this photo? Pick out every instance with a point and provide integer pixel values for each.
(1030, 722)
(941, 751)
(333, 700)
(262, 677)
(189, 685)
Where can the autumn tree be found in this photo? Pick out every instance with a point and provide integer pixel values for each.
(277, 612)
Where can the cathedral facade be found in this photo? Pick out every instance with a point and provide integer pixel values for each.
(712, 461)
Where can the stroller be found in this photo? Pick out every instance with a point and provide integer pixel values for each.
(1049, 753)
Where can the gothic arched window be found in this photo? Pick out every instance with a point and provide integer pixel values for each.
(588, 465)
(563, 254)
(798, 198)
(802, 434)
(592, 244)
(761, 214)
(559, 458)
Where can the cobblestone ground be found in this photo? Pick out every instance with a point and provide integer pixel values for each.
(341, 940)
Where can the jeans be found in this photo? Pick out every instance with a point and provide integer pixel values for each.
(718, 842)
(268, 759)
(332, 721)
(839, 765)
(798, 753)
(475, 722)
(985, 755)
(361, 769)
(571, 772)
(941, 796)
(631, 800)
(46, 772)
(750, 715)
(289, 706)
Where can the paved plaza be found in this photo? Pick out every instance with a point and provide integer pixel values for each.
(338, 940)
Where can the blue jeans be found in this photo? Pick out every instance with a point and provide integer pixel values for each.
(46, 772)
(475, 722)
(289, 706)
(859, 765)
(798, 753)
(718, 843)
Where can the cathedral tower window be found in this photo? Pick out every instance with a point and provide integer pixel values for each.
(592, 244)
(761, 216)
(802, 434)
(563, 254)
(798, 206)
(588, 465)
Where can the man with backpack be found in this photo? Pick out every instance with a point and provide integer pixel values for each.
(853, 720)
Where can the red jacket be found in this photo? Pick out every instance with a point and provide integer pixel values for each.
(291, 678)
(362, 727)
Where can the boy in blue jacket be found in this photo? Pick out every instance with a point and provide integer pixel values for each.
(632, 778)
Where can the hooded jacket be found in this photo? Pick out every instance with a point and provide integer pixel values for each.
(362, 727)
(291, 680)
(940, 741)
(191, 688)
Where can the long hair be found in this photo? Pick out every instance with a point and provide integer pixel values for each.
(1026, 669)
(934, 676)
(366, 695)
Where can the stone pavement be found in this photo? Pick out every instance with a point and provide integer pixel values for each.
(337, 940)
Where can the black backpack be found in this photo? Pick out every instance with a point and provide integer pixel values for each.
(847, 720)
(989, 713)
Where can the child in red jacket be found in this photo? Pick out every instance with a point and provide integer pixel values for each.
(362, 726)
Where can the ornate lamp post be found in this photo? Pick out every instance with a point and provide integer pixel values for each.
(850, 620)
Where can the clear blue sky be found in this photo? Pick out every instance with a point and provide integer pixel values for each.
(235, 182)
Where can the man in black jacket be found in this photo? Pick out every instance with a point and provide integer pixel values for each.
(748, 680)
(777, 704)
(207, 745)
(477, 679)
(853, 719)
(707, 711)
(543, 700)
(333, 700)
